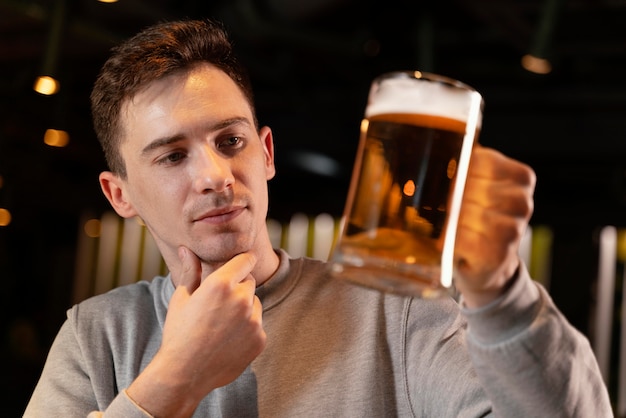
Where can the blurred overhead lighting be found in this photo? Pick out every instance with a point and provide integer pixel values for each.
(46, 82)
(5, 217)
(107, 1)
(56, 138)
(46, 85)
(538, 58)
(536, 65)
(93, 228)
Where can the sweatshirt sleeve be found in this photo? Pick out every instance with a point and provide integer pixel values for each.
(530, 360)
(66, 387)
(122, 406)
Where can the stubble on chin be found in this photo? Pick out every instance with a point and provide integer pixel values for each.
(220, 250)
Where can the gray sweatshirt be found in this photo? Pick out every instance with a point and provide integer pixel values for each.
(338, 350)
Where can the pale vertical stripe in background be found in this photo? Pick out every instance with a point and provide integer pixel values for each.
(621, 382)
(525, 246)
(130, 252)
(541, 255)
(323, 236)
(303, 236)
(275, 232)
(107, 249)
(604, 303)
(84, 266)
(298, 235)
(152, 262)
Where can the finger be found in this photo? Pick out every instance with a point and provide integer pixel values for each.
(247, 287)
(487, 242)
(501, 197)
(491, 164)
(479, 257)
(257, 310)
(495, 228)
(233, 272)
(239, 267)
(481, 264)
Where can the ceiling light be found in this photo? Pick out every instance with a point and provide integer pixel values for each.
(46, 83)
(5, 217)
(537, 60)
(536, 65)
(56, 138)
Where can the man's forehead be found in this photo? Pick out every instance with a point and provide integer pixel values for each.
(173, 84)
(154, 101)
(148, 94)
(153, 90)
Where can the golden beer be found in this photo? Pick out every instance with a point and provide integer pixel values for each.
(402, 200)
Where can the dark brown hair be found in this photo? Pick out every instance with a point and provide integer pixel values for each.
(154, 53)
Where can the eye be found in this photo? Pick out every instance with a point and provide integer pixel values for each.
(172, 158)
(231, 142)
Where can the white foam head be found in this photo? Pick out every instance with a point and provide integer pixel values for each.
(405, 94)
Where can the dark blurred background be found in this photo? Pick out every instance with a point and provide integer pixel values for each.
(311, 62)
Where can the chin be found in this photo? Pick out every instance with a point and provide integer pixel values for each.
(223, 251)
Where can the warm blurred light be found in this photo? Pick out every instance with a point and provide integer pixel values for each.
(536, 65)
(92, 228)
(409, 188)
(107, 1)
(46, 85)
(451, 168)
(5, 217)
(537, 60)
(364, 125)
(56, 138)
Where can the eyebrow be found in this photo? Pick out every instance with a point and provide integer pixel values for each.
(168, 140)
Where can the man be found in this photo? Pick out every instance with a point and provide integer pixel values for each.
(239, 329)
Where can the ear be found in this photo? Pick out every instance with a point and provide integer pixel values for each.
(114, 188)
(267, 140)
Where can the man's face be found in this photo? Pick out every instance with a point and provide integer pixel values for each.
(197, 168)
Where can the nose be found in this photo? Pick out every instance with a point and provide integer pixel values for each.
(212, 171)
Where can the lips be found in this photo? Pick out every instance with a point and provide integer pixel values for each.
(220, 215)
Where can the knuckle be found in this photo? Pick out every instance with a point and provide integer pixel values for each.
(530, 177)
(508, 229)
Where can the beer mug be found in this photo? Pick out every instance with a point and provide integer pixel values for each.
(400, 219)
